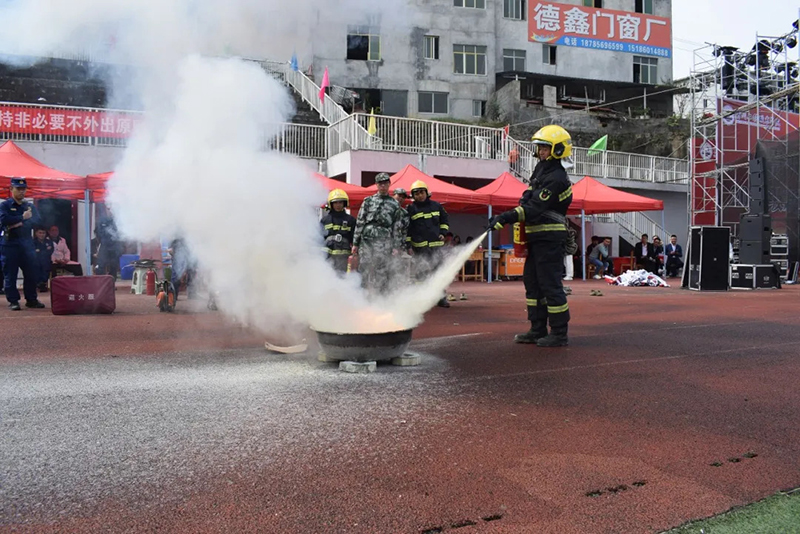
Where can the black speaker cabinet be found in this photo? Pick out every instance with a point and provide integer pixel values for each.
(755, 227)
(754, 252)
(754, 277)
(708, 269)
(756, 166)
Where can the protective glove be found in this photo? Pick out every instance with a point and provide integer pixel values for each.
(497, 222)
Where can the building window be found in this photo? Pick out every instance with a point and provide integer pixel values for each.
(363, 47)
(430, 102)
(549, 54)
(477, 4)
(469, 59)
(513, 60)
(645, 70)
(431, 47)
(478, 108)
(593, 3)
(644, 6)
(514, 9)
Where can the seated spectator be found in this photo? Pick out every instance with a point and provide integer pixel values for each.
(599, 257)
(43, 250)
(448, 239)
(456, 241)
(61, 255)
(674, 255)
(658, 253)
(470, 239)
(595, 241)
(644, 254)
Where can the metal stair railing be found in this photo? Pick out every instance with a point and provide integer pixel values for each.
(634, 224)
(350, 135)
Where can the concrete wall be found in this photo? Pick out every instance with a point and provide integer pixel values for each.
(355, 163)
(403, 66)
(75, 159)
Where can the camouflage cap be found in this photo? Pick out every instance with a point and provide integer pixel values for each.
(401, 192)
(382, 177)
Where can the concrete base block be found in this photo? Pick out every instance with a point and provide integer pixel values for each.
(324, 358)
(407, 360)
(358, 367)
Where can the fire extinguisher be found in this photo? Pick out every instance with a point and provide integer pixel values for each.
(520, 241)
(150, 282)
(352, 263)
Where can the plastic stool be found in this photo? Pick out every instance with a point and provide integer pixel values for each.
(139, 280)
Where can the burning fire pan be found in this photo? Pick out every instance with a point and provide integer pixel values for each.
(364, 347)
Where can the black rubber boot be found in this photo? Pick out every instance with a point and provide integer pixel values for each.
(14, 306)
(554, 339)
(533, 335)
(33, 304)
(443, 303)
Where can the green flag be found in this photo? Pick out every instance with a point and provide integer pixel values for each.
(599, 145)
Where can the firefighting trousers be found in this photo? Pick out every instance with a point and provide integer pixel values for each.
(544, 293)
(425, 261)
(338, 262)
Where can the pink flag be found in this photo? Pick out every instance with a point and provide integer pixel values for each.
(325, 83)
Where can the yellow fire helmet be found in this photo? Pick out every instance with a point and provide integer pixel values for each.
(557, 138)
(337, 195)
(419, 184)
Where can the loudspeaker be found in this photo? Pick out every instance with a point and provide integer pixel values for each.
(755, 227)
(756, 166)
(709, 249)
(754, 252)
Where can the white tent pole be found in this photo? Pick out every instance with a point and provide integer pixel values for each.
(583, 241)
(489, 280)
(87, 217)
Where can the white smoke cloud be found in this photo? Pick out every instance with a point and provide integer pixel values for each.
(196, 167)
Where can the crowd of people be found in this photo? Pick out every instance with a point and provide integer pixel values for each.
(657, 259)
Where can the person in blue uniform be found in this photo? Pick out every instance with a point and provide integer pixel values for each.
(43, 249)
(17, 219)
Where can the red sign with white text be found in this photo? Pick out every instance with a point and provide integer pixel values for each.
(600, 29)
(21, 119)
(741, 131)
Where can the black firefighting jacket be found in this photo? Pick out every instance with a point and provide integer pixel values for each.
(338, 228)
(543, 206)
(427, 221)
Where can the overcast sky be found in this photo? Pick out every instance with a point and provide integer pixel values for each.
(726, 22)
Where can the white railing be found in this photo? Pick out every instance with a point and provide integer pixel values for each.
(434, 138)
(632, 225)
(302, 140)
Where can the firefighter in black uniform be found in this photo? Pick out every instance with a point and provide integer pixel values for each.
(543, 210)
(427, 225)
(338, 227)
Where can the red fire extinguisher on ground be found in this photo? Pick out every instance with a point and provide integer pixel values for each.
(520, 241)
(352, 263)
(150, 282)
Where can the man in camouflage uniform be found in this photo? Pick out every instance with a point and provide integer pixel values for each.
(379, 236)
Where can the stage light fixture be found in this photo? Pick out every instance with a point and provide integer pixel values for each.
(791, 41)
(796, 25)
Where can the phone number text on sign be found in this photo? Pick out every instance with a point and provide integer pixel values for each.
(615, 46)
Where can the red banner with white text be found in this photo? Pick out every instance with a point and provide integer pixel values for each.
(79, 122)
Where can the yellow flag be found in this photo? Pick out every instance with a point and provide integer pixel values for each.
(371, 128)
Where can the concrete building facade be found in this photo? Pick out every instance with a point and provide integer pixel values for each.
(444, 56)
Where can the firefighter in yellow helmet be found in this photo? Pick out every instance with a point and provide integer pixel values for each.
(428, 222)
(338, 227)
(542, 210)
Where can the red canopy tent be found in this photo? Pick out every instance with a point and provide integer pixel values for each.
(591, 197)
(96, 183)
(454, 198)
(504, 191)
(43, 182)
(355, 193)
